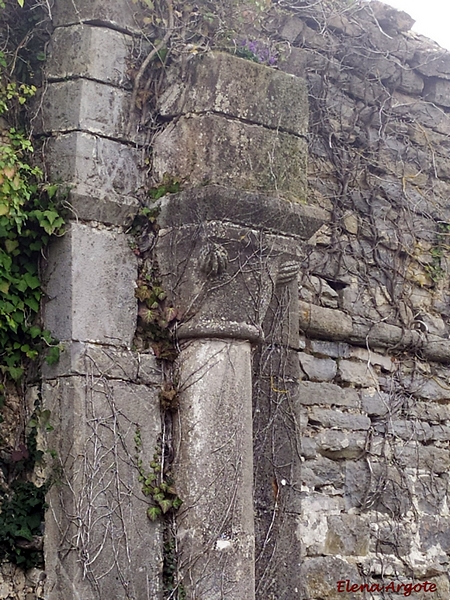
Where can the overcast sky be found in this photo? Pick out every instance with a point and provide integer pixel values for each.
(432, 18)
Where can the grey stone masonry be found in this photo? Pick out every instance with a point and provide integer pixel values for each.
(102, 395)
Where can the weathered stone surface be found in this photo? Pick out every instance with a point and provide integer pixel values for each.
(382, 487)
(311, 393)
(322, 472)
(339, 444)
(318, 369)
(433, 62)
(86, 105)
(321, 574)
(98, 53)
(436, 460)
(431, 491)
(78, 358)
(222, 83)
(324, 322)
(122, 15)
(100, 540)
(375, 403)
(102, 175)
(336, 418)
(313, 526)
(90, 279)
(257, 211)
(214, 149)
(213, 469)
(357, 373)
(348, 535)
(438, 91)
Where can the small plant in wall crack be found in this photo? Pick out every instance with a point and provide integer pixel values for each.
(157, 484)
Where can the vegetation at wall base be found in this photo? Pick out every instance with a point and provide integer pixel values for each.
(29, 216)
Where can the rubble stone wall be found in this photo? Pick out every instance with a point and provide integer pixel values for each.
(374, 303)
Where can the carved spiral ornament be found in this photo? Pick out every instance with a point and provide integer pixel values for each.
(213, 259)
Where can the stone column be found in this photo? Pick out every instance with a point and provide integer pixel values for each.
(103, 397)
(214, 469)
(225, 277)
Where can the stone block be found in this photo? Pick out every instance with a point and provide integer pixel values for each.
(432, 62)
(78, 358)
(410, 82)
(339, 444)
(122, 15)
(97, 53)
(429, 458)
(427, 411)
(253, 210)
(411, 430)
(324, 322)
(90, 279)
(86, 105)
(99, 540)
(375, 403)
(435, 531)
(385, 362)
(311, 393)
(291, 28)
(431, 492)
(102, 175)
(322, 473)
(318, 369)
(221, 83)
(392, 538)
(214, 149)
(357, 373)
(438, 91)
(313, 525)
(321, 574)
(331, 349)
(335, 418)
(423, 112)
(348, 535)
(308, 447)
(381, 487)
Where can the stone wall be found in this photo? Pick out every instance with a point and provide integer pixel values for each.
(307, 263)
(374, 301)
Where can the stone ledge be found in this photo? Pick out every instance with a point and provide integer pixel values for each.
(254, 210)
(335, 325)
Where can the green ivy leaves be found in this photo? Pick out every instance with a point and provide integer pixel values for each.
(28, 217)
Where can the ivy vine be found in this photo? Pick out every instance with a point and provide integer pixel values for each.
(29, 216)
